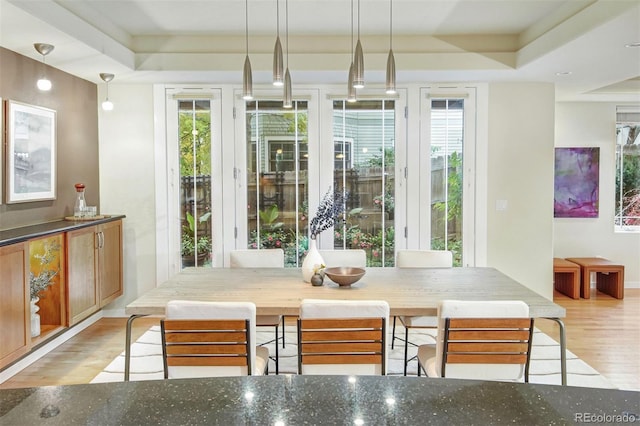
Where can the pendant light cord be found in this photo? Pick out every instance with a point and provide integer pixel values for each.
(277, 18)
(246, 24)
(351, 31)
(286, 12)
(390, 24)
(358, 19)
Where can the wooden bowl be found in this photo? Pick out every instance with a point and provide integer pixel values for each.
(344, 276)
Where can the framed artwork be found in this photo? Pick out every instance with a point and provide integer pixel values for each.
(31, 153)
(576, 185)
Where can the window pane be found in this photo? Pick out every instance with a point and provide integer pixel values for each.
(277, 163)
(628, 172)
(195, 181)
(447, 133)
(364, 158)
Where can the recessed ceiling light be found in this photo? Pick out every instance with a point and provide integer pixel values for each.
(636, 44)
(563, 73)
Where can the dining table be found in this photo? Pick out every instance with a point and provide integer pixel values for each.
(279, 291)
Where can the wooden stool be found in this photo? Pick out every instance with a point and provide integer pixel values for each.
(566, 277)
(609, 276)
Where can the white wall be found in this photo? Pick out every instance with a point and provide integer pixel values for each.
(127, 182)
(520, 173)
(590, 124)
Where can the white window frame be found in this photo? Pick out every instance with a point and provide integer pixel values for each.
(474, 185)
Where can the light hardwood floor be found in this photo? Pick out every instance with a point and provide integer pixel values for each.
(603, 331)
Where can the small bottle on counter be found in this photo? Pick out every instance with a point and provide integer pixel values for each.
(81, 205)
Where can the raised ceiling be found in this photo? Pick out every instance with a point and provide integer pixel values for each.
(184, 41)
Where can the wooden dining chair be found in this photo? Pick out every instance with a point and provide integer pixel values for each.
(342, 337)
(352, 257)
(484, 340)
(211, 339)
(263, 258)
(418, 259)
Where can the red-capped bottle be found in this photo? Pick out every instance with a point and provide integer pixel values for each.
(80, 208)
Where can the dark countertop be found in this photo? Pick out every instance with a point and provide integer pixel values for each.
(316, 400)
(17, 235)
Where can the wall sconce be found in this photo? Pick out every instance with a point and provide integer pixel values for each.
(107, 105)
(44, 49)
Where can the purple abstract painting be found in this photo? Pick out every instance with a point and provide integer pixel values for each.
(576, 182)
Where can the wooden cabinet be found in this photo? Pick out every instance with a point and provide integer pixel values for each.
(15, 325)
(94, 268)
(110, 261)
(82, 273)
(87, 261)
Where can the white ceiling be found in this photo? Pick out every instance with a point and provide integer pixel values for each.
(191, 41)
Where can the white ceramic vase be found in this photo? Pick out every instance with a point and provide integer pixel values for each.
(312, 259)
(35, 317)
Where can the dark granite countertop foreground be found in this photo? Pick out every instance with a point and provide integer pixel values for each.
(316, 400)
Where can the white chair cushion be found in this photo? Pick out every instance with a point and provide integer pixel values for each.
(262, 361)
(416, 322)
(424, 259)
(321, 308)
(335, 258)
(268, 320)
(263, 258)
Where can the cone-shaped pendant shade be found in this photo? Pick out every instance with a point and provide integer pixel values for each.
(247, 80)
(278, 64)
(287, 101)
(351, 92)
(391, 73)
(358, 67)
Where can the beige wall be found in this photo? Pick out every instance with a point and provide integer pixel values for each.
(594, 125)
(74, 101)
(520, 172)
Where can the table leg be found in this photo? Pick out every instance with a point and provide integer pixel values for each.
(563, 350)
(127, 346)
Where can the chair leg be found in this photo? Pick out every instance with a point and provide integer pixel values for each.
(277, 360)
(283, 330)
(406, 348)
(393, 332)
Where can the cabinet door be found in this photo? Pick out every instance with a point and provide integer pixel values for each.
(15, 325)
(82, 268)
(110, 249)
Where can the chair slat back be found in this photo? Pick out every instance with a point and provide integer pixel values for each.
(341, 341)
(487, 341)
(211, 343)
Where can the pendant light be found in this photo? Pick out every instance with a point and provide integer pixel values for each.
(351, 91)
(358, 60)
(247, 78)
(107, 105)
(391, 62)
(44, 49)
(287, 101)
(278, 66)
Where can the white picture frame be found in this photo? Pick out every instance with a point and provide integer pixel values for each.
(31, 153)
